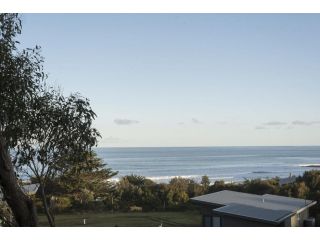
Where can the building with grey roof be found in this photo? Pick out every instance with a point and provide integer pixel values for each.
(288, 180)
(30, 189)
(230, 208)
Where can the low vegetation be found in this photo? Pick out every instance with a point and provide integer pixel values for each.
(136, 196)
(86, 191)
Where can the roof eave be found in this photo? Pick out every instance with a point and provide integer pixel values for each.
(202, 203)
(307, 206)
(275, 223)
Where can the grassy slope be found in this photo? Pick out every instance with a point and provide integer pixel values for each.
(135, 219)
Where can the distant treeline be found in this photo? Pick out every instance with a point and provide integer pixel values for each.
(137, 193)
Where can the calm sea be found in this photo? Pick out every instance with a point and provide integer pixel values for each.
(226, 163)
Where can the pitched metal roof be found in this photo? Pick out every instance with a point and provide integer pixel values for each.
(290, 179)
(254, 213)
(264, 207)
(227, 197)
(30, 188)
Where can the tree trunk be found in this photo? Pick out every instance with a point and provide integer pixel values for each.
(21, 205)
(46, 207)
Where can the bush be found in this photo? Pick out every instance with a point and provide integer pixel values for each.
(135, 209)
(62, 204)
(6, 216)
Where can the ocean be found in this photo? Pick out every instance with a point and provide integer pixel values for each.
(231, 164)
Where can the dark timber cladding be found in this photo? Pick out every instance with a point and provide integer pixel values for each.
(267, 209)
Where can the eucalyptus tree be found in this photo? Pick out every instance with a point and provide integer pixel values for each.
(57, 137)
(21, 76)
(47, 131)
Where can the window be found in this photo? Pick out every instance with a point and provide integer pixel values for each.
(207, 221)
(216, 221)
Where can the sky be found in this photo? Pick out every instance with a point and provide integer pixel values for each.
(162, 80)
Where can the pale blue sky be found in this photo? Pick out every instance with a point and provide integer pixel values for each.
(188, 79)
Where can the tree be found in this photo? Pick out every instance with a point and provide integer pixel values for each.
(135, 190)
(61, 136)
(136, 180)
(179, 190)
(21, 75)
(91, 174)
(258, 186)
(6, 217)
(48, 132)
(195, 189)
(205, 182)
(162, 194)
(218, 185)
(301, 190)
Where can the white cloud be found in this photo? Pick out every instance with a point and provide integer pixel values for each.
(305, 123)
(275, 123)
(196, 121)
(124, 121)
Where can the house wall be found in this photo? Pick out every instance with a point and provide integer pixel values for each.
(207, 214)
(228, 221)
(298, 219)
(286, 222)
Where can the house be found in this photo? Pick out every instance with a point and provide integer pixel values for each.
(236, 209)
(29, 189)
(288, 180)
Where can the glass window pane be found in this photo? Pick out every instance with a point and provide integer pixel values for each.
(216, 222)
(207, 221)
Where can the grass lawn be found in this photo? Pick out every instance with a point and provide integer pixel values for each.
(134, 219)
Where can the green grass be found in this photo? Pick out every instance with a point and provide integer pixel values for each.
(134, 219)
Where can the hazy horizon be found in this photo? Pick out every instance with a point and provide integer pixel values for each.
(221, 146)
(183, 80)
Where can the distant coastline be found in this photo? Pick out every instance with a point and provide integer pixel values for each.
(216, 146)
(230, 164)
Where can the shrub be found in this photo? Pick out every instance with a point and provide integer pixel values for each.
(135, 209)
(62, 203)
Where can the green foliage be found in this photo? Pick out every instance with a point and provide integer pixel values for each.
(91, 174)
(179, 190)
(6, 216)
(135, 180)
(84, 196)
(312, 179)
(217, 186)
(205, 182)
(62, 204)
(21, 77)
(136, 190)
(195, 189)
(59, 134)
(48, 131)
(139, 193)
(86, 184)
(258, 186)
